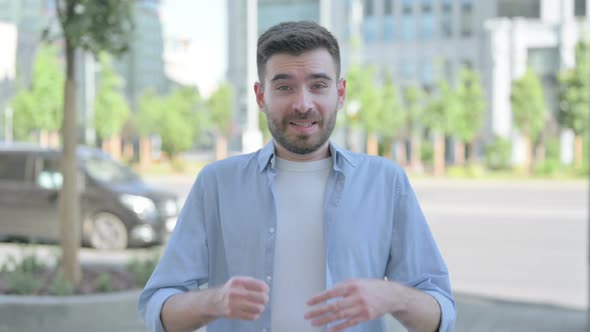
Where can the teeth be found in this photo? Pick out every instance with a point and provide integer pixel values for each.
(307, 124)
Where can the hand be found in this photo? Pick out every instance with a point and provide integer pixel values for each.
(242, 298)
(360, 300)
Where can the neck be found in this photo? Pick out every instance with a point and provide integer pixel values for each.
(322, 152)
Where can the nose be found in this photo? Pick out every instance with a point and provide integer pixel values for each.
(303, 101)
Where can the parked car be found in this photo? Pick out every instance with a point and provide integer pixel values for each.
(118, 209)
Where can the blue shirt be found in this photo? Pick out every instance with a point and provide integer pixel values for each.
(373, 228)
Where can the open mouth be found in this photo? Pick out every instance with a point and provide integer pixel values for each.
(303, 124)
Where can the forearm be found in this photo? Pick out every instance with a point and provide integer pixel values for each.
(189, 311)
(417, 311)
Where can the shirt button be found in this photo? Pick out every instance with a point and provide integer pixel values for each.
(272, 230)
(268, 278)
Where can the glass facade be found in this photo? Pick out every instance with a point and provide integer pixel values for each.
(408, 31)
(271, 13)
(369, 27)
(580, 9)
(388, 28)
(521, 8)
(446, 19)
(427, 25)
(466, 18)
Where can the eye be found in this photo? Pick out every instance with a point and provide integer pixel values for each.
(319, 86)
(283, 88)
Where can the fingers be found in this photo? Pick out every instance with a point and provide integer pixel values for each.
(245, 298)
(327, 295)
(252, 284)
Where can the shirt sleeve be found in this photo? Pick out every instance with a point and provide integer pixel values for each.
(415, 259)
(184, 264)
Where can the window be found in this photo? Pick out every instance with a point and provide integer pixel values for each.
(466, 18)
(521, 8)
(408, 31)
(12, 167)
(368, 8)
(388, 9)
(446, 19)
(388, 28)
(49, 176)
(426, 72)
(427, 23)
(369, 27)
(580, 9)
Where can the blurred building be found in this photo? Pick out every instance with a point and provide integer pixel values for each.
(241, 55)
(142, 67)
(20, 33)
(422, 41)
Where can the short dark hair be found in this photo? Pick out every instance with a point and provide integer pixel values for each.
(295, 38)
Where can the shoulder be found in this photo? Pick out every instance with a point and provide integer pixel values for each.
(232, 167)
(379, 169)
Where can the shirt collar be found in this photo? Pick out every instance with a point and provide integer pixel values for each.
(340, 155)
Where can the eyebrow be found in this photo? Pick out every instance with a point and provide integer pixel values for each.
(316, 76)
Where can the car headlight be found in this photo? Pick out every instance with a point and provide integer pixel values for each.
(169, 207)
(142, 206)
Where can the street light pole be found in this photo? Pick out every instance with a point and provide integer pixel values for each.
(252, 137)
(8, 124)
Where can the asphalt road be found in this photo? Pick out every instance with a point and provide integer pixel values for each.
(523, 241)
(511, 240)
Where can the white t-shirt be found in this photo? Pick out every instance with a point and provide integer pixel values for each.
(300, 262)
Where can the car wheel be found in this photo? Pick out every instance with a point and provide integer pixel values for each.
(106, 231)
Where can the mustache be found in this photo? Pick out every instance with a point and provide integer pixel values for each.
(309, 115)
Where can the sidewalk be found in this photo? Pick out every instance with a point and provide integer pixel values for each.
(478, 314)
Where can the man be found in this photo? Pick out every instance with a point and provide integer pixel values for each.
(300, 235)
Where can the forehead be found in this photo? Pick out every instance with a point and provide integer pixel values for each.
(310, 62)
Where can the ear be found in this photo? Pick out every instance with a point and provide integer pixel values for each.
(341, 89)
(259, 91)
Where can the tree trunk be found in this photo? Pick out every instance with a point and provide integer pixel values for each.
(145, 152)
(401, 155)
(54, 139)
(527, 165)
(128, 151)
(416, 160)
(372, 145)
(115, 142)
(220, 147)
(471, 148)
(578, 151)
(69, 206)
(459, 153)
(43, 138)
(439, 155)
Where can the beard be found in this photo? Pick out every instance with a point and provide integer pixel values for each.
(301, 143)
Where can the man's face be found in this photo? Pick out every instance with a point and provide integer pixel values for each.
(301, 96)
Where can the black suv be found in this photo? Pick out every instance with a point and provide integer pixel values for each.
(117, 208)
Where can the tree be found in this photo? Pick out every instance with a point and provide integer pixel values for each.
(468, 121)
(371, 107)
(180, 120)
(220, 111)
(393, 116)
(110, 107)
(92, 26)
(528, 111)
(40, 107)
(414, 107)
(146, 119)
(438, 118)
(356, 77)
(574, 98)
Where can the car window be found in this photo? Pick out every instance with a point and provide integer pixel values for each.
(13, 167)
(49, 176)
(107, 170)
